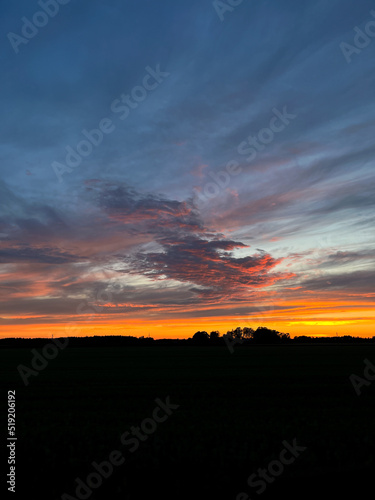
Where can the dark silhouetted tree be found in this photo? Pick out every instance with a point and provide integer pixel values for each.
(264, 335)
(235, 334)
(284, 336)
(247, 332)
(214, 335)
(201, 338)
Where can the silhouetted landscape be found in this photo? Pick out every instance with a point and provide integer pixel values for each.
(232, 412)
(235, 338)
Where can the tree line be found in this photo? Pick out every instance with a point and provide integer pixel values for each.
(238, 336)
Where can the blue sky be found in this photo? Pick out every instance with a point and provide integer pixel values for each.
(299, 215)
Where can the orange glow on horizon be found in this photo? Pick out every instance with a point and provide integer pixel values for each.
(293, 313)
(186, 328)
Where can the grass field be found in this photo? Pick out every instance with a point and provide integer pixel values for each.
(235, 411)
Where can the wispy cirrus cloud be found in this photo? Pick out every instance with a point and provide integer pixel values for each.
(172, 246)
(208, 263)
(189, 252)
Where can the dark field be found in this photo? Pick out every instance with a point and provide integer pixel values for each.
(235, 410)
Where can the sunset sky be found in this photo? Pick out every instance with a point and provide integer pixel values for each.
(229, 181)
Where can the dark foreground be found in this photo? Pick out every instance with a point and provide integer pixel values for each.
(234, 413)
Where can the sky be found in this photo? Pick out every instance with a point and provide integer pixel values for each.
(168, 167)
